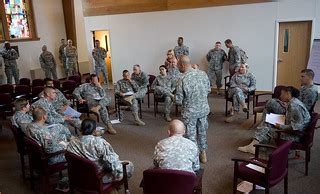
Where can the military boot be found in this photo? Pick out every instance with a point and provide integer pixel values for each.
(137, 120)
(167, 117)
(96, 109)
(128, 99)
(110, 129)
(203, 157)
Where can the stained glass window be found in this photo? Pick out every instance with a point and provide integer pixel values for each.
(17, 18)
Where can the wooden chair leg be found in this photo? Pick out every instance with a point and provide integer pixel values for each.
(22, 166)
(267, 190)
(255, 118)
(248, 106)
(155, 108)
(286, 184)
(148, 100)
(307, 160)
(226, 111)
(140, 110)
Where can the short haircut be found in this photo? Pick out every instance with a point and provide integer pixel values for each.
(38, 113)
(180, 38)
(62, 38)
(20, 103)
(92, 76)
(218, 42)
(97, 40)
(47, 79)
(308, 72)
(136, 65)
(47, 89)
(293, 91)
(228, 41)
(163, 67)
(88, 126)
(125, 71)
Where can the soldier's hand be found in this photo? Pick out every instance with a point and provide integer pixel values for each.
(64, 108)
(81, 101)
(122, 94)
(67, 118)
(277, 126)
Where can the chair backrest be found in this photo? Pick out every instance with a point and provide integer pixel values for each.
(75, 78)
(22, 90)
(307, 140)
(151, 79)
(37, 82)
(6, 100)
(278, 161)
(37, 90)
(57, 84)
(82, 172)
(68, 86)
(25, 81)
(160, 181)
(6, 88)
(18, 136)
(277, 91)
(36, 153)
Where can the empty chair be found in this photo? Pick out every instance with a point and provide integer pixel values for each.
(168, 181)
(37, 82)
(25, 81)
(68, 87)
(35, 92)
(6, 88)
(151, 79)
(6, 105)
(57, 84)
(22, 91)
(274, 170)
(75, 78)
(80, 167)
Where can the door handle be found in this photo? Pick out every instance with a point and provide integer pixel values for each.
(280, 60)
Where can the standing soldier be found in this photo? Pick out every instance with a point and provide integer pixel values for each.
(71, 58)
(99, 54)
(62, 56)
(192, 93)
(234, 57)
(48, 64)
(10, 57)
(181, 49)
(216, 58)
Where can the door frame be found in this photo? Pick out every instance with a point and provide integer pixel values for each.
(277, 23)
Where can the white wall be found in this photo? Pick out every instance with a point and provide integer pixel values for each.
(144, 38)
(50, 27)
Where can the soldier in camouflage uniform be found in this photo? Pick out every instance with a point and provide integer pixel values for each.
(297, 118)
(21, 117)
(216, 58)
(51, 138)
(163, 87)
(53, 116)
(48, 64)
(176, 152)
(241, 83)
(171, 64)
(71, 58)
(181, 49)
(192, 93)
(142, 79)
(10, 57)
(98, 150)
(95, 96)
(234, 57)
(99, 54)
(126, 89)
(62, 56)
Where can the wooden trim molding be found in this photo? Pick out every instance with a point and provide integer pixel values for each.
(70, 21)
(111, 7)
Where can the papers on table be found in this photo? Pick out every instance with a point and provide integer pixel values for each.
(128, 93)
(275, 118)
(71, 112)
(256, 168)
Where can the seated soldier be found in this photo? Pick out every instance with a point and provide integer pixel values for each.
(21, 117)
(95, 96)
(98, 150)
(176, 152)
(163, 87)
(49, 94)
(127, 89)
(297, 118)
(52, 138)
(241, 83)
(308, 96)
(141, 78)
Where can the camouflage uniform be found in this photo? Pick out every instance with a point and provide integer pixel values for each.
(181, 50)
(94, 96)
(163, 87)
(71, 60)
(234, 58)
(49, 137)
(10, 65)
(173, 70)
(125, 86)
(192, 92)
(62, 57)
(297, 118)
(53, 116)
(177, 153)
(101, 152)
(21, 120)
(142, 80)
(238, 80)
(48, 64)
(58, 102)
(309, 96)
(216, 58)
(99, 55)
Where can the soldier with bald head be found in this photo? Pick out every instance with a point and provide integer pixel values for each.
(192, 93)
(176, 152)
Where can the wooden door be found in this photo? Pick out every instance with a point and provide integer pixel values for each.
(293, 51)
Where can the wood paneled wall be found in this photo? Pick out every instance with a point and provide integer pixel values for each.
(110, 7)
(69, 19)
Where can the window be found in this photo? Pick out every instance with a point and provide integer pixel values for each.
(17, 20)
(286, 41)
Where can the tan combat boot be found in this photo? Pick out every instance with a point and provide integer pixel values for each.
(167, 117)
(203, 157)
(137, 120)
(128, 99)
(96, 109)
(110, 129)
(249, 148)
